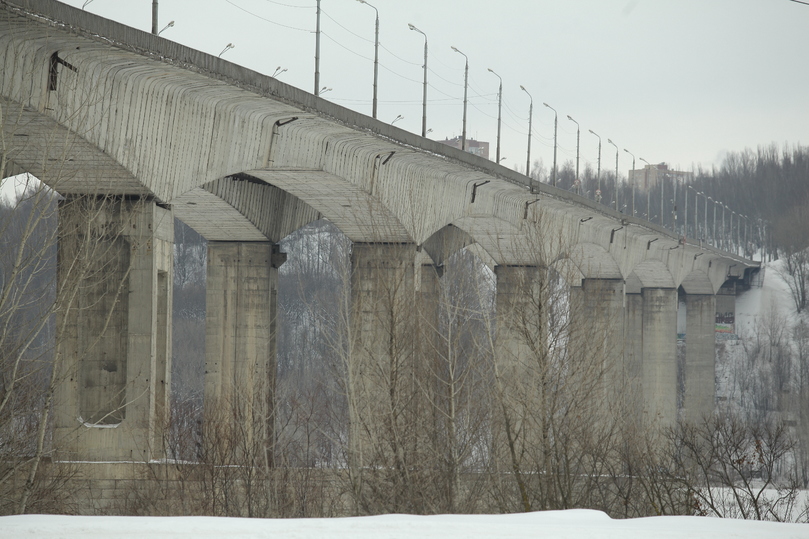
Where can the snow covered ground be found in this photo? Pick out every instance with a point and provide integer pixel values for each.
(772, 297)
(573, 524)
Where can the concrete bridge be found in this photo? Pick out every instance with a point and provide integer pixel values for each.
(103, 112)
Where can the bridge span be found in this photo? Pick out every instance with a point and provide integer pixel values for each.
(102, 112)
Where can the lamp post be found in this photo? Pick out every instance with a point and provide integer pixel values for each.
(598, 171)
(646, 186)
(154, 17)
(278, 71)
(424, 99)
(724, 233)
(732, 244)
(399, 117)
(530, 118)
(616, 172)
(317, 51)
(715, 239)
(578, 183)
(746, 226)
(696, 211)
(376, 54)
(662, 199)
(465, 88)
(227, 48)
(633, 180)
(555, 118)
(499, 111)
(169, 25)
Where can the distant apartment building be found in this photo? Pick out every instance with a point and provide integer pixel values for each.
(473, 146)
(649, 176)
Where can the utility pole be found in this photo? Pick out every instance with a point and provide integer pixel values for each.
(154, 17)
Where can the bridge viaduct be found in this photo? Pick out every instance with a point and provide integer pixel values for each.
(103, 112)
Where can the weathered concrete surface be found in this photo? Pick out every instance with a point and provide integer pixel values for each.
(243, 157)
(163, 119)
(700, 356)
(381, 351)
(240, 345)
(659, 321)
(114, 354)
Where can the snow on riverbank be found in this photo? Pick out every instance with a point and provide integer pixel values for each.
(572, 524)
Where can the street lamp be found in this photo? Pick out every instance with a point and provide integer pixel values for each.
(685, 228)
(616, 172)
(530, 117)
(633, 180)
(154, 17)
(578, 183)
(598, 171)
(732, 244)
(499, 110)
(227, 48)
(646, 186)
(317, 51)
(399, 117)
(169, 25)
(376, 55)
(465, 88)
(424, 100)
(555, 118)
(278, 71)
(746, 226)
(325, 89)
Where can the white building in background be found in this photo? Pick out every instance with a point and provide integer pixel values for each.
(649, 176)
(473, 146)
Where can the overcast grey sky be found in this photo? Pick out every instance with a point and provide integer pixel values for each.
(680, 81)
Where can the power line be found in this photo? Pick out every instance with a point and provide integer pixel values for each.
(289, 5)
(346, 29)
(268, 20)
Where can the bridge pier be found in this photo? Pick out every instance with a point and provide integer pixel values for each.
(240, 346)
(599, 311)
(382, 353)
(114, 356)
(521, 320)
(700, 356)
(659, 365)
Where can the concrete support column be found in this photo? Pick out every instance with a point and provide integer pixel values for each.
(659, 336)
(380, 368)
(114, 329)
(240, 347)
(700, 356)
(428, 304)
(633, 360)
(602, 310)
(521, 318)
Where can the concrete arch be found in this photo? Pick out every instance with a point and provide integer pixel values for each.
(445, 243)
(649, 274)
(593, 261)
(697, 282)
